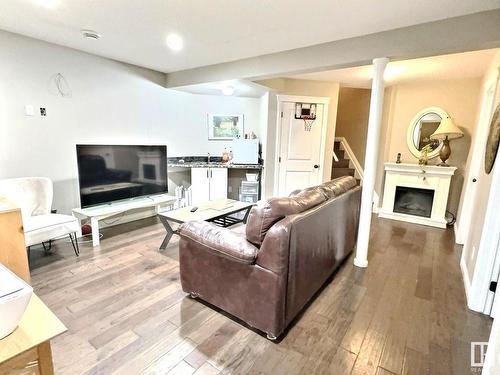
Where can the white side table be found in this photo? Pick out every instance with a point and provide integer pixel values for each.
(96, 213)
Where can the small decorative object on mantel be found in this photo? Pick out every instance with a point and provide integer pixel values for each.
(424, 154)
(225, 127)
(447, 130)
(423, 174)
(398, 158)
(492, 142)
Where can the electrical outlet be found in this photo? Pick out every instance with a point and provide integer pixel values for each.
(43, 111)
(29, 110)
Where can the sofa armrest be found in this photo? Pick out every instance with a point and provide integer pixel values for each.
(220, 241)
(274, 252)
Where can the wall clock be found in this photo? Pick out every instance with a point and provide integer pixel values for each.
(492, 142)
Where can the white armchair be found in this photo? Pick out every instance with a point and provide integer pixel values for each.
(34, 196)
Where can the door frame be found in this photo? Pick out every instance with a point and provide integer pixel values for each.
(486, 111)
(479, 297)
(325, 101)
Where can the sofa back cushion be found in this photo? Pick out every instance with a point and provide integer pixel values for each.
(266, 213)
(338, 186)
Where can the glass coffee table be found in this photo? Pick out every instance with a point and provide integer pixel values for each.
(220, 212)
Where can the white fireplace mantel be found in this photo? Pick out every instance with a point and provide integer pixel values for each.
(430, 177)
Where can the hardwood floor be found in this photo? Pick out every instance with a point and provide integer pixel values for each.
(127, 314)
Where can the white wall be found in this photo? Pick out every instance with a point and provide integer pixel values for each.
(111, 103)
(472, 211)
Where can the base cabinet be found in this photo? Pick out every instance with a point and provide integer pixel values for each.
(208, 184)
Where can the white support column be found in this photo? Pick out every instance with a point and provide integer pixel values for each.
(371, 154)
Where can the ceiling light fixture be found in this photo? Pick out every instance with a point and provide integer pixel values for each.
(90, 34)
(174, 42)
(227, 90)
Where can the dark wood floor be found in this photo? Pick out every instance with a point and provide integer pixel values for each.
(126, 312)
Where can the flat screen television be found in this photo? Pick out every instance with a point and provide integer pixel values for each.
(108, 173)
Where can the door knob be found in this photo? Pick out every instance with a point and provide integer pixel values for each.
(474, 180)
(316, 166)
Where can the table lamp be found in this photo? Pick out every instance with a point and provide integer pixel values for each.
(447, 130)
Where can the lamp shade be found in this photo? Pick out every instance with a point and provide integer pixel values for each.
(447, 128)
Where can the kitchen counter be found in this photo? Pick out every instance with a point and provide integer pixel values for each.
(204, 164)
(201, 162)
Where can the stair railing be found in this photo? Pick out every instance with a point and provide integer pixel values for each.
(357, 167)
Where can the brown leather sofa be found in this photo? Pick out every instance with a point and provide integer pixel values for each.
(290, 247)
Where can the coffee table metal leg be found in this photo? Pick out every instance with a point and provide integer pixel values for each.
(168, 236)
(245, 218)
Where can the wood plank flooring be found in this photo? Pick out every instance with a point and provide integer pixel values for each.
(126, 312)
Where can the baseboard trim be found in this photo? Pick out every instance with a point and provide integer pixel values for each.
(458, 236)
(466, 278)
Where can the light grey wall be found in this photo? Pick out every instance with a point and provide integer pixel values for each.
(111, 103)
(457, 34)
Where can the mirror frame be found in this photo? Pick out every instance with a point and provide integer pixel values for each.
(411, 128)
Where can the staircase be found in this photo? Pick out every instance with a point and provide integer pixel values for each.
(345, 165)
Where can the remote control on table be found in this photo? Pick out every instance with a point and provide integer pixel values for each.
(194, 209)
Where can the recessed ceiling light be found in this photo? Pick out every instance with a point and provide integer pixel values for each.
(227, 90)
(174, 42)
(47, 3)
(90, 34)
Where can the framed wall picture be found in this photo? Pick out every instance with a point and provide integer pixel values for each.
(225, 127)
(493, 141)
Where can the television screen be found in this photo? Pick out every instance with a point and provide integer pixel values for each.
(108, 173)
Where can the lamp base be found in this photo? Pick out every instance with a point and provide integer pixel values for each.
(445, 153)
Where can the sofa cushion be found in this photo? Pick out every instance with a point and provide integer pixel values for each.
(338, 186)
(222, 242)
(330, 189)
(266, 213)
(315, 189)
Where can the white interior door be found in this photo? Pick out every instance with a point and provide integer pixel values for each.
(218, 183)
(300, 151)
(200, 185)
(495, 310)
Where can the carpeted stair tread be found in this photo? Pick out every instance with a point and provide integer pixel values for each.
(339, 172)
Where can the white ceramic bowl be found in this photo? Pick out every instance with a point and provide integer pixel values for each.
(15, 295)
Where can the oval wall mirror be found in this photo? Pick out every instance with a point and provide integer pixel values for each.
(421, 127)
